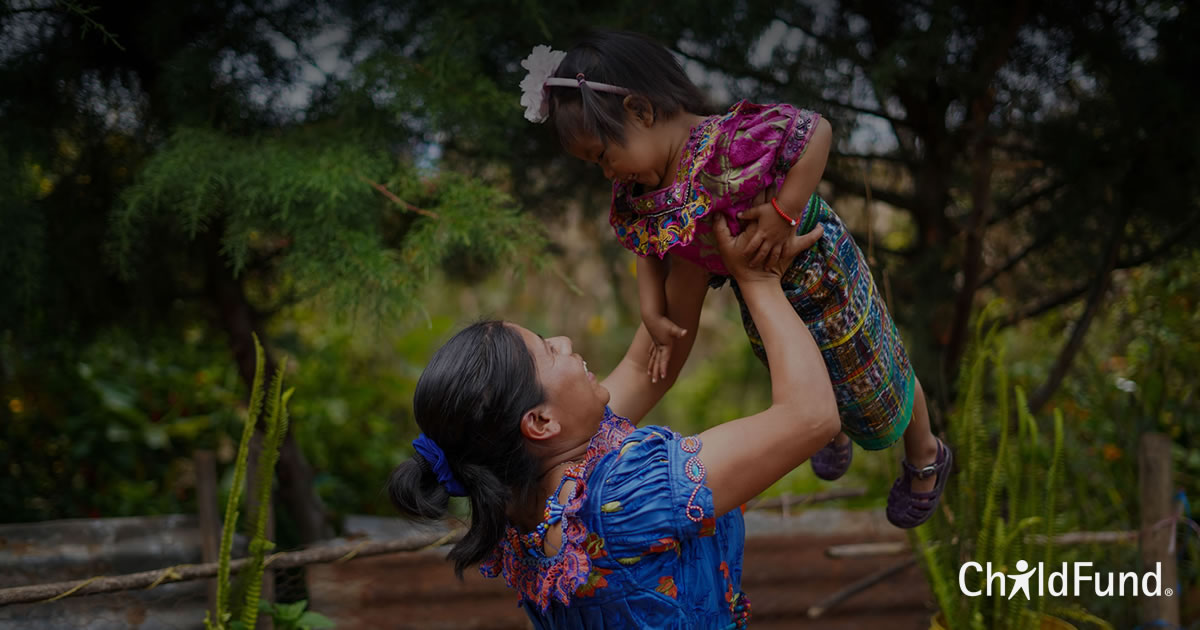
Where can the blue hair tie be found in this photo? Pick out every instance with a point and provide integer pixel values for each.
(441, 467)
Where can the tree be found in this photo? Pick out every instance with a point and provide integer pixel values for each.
(163, 165)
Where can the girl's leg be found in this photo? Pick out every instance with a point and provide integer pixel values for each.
(920, 445)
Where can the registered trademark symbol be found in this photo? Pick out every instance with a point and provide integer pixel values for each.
(1168, 591)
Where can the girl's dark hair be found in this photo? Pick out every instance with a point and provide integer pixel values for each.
(627, 60)
(470, 400)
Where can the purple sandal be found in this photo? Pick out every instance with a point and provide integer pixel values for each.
(833, 461)
(907, 508)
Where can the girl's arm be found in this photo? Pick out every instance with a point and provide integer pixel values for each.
(652, 292)
(632, 394)
(802, 179)
(652, 273)
(770, 243)
(745, 456)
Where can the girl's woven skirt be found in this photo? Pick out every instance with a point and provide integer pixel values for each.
(832, 290)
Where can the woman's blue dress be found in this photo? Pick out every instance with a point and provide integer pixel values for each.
(640, 545)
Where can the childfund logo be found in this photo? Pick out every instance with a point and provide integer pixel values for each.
(1071, 579)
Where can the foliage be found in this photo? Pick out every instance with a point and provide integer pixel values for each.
(169, 168)
(358, 379)
(301, 212)
(997, 511)
(1134, 375)
(111, 428)
(291, 616)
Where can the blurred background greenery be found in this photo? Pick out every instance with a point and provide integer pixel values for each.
(354, 181)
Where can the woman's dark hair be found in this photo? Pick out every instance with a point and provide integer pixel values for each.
(470, 400)
(628, 60)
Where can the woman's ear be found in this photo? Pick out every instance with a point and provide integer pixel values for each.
(640, 109)
(537, 425)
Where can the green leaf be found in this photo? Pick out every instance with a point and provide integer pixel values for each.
(313, 621)
(292, 611)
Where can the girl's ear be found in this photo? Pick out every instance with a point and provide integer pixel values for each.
(640, 109)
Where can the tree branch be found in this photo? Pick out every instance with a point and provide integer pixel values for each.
(1074, 293)
(1043, 239)
(300, 52)
(868, 111)
(981, 208)
(398, 201)
(767, 78)
(1013, 206)
(896, 159)
(846, 49)
(1099, 287)
(891, 197)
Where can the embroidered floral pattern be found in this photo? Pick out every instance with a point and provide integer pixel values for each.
(520, 559)
(595, 546)
(655, 222)
(594, 582)
(727, 160)
(666, 586)
(663, 545)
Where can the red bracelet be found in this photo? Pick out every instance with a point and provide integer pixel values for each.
(792, 222)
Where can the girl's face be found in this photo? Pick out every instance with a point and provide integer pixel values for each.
(575, 399)
(641, 158)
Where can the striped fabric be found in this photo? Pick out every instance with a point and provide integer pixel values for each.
(832, 290)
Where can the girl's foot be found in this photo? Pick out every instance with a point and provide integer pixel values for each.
(908, 507)
(834, 460)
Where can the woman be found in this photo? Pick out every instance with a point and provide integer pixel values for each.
(595, 523)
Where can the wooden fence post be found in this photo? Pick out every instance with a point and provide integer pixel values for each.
(206, 508)
(1157, 488)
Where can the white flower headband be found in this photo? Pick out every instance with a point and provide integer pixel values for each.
(541, 64)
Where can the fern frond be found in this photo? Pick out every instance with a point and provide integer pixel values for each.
(1052, 484)
(267, 457)
(998, 477)
(945, 588)
(235, 488)
(973, 432)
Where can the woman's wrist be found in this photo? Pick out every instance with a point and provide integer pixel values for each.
(760, 283)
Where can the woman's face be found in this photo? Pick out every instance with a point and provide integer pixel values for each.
(575, 399)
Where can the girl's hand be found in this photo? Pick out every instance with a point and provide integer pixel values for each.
(770, 240)
(663, 333)
(739, 252)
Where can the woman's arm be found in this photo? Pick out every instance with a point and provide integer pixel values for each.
(745, 456)
(632, 393)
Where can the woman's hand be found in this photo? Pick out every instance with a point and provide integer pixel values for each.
(738, 252)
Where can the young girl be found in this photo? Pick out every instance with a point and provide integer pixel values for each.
(622, 101)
